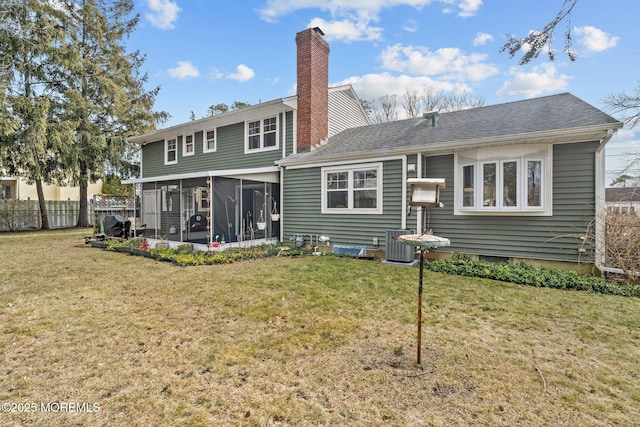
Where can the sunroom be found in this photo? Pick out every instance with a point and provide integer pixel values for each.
(215, 208)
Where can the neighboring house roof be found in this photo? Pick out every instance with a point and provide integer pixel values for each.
(624, 194)
(555, 118)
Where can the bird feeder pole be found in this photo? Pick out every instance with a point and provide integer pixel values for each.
(425, 193)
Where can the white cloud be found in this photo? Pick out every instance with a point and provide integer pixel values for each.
(347, 31)
(411, 26)
(482, 39)
(242, 74)
(594, 39)
(469, 7)
(350, 20)
(541, 79)
(163, 13)
(184, 70)
(372, 86)
(447, 63)
(341, 8)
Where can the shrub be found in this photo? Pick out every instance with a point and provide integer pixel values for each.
(526, 274)
(185, 258)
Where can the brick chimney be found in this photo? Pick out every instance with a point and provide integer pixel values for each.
(313, 88)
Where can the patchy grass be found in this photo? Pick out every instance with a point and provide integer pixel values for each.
(301, 341)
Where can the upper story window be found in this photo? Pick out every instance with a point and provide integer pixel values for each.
(261, 134)
(352, 189)
(209, 141)
(515, 180)
(188, 148)
(170, 151)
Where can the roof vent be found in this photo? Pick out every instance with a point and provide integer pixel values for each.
(433, 116)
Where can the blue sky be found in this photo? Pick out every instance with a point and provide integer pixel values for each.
(205, 52)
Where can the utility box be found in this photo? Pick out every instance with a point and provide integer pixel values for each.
(397, 251)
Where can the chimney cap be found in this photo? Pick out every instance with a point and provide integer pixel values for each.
(318, 30)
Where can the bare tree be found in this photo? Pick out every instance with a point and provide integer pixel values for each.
(627, 106)
(462, 101)
(416, 103)
(538, 41)
(384, 109)
(431, 100)
(411, 101)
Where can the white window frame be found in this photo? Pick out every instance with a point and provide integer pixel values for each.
(350, 169)
(525, 166)
(185, 144)
(499, 190)
(522, 155)
(174, 149)
(205, 140)
(261, 134)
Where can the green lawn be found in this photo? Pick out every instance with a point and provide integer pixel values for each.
(299, 341)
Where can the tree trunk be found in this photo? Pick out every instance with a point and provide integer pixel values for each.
(83, 212)
(44, 217)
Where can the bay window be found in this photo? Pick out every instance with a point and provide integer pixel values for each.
(514, 180)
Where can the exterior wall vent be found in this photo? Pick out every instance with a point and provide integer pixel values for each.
(397, 251)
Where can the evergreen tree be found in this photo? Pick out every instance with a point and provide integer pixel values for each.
(29, 36)
(101, 91)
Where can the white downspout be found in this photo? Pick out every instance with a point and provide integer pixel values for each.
(295, 131)
(600, 203)
(281, 204)
(403, 222)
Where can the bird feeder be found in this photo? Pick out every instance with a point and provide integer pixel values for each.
(425, 192)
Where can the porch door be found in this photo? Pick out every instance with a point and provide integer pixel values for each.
(150, 208)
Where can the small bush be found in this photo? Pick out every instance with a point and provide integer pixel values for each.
(526, 274)
(227, 256)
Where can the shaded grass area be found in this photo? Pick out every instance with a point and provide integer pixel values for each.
(301, 341)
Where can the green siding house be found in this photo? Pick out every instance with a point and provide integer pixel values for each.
(524, 180)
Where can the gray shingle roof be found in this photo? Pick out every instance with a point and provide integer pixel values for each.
(548, 114)
(624, 194)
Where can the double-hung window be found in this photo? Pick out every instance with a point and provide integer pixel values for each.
(188, 147)
(352, 189)
(513, 180)
(170, 151)
(262, 134)
(209, 141)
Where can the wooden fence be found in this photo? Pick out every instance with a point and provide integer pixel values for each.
(20, 215)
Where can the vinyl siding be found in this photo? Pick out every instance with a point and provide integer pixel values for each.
(229, 152)
(555, 237)
(344, 112)
(302, 209)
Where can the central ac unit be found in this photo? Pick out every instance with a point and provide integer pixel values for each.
(396, 250)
